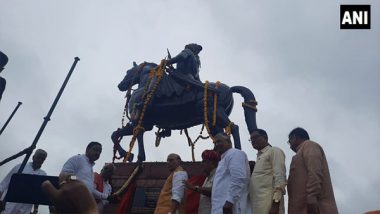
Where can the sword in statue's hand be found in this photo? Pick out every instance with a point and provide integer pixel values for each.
(171, 68)
(169, 55)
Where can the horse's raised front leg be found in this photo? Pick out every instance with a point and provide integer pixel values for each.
(118, 135)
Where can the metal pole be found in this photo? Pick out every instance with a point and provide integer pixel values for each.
(25, 151)
(47, 118)
(10, 117)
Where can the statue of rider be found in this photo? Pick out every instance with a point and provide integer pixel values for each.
(188, 65)
(186, 73)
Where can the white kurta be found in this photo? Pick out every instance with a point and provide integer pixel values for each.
(178, 187)
(231, 183)
(80, 166)
(268, 180)
(10, 207)
(205, 201)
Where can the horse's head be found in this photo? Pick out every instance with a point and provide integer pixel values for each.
(136, 75)
(131, 78)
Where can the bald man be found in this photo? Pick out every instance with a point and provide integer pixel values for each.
(173, 191)
(230, 187)
(33, 168)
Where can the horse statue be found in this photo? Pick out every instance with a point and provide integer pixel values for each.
(175, 105)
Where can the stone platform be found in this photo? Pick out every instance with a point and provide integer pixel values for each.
(149, 182)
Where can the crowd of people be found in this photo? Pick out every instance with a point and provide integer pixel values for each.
(229, 187)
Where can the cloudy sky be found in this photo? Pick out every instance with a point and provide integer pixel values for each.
(303, 70)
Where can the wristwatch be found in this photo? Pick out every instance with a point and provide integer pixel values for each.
(68, 179)
(196, 189)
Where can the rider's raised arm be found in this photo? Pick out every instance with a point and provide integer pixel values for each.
(180, 57)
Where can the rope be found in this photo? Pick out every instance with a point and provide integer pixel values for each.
(127, 182)
(190, 144)
(200, 135)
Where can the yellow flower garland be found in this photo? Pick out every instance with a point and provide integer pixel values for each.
(155, 72)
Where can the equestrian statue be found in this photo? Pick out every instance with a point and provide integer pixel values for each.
(175, 99)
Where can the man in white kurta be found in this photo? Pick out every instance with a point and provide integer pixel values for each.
(230, 187)
(210, 160)
(81, 166)
(268, 179)
(33, 168)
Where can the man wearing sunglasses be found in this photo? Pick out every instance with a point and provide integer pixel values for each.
(309, 184)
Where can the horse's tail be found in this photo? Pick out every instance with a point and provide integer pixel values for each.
(249, 106)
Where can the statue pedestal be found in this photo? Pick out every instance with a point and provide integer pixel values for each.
(149, 182)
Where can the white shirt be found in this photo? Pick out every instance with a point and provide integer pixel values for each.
(107, 189)
(231, 183)
(10, 207)
(178, 187)
(205, 201)
(80, 166)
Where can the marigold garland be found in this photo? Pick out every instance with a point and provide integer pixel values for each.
(127, 182)
(205, 110)
(228, 129)
(155, 72)
(215, 104)
(250, 105)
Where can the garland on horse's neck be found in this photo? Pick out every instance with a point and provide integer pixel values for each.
(159, 73)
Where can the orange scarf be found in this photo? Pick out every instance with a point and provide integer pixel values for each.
(98, 181)
(164, 202)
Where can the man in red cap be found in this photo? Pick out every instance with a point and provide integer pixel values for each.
(210, 161)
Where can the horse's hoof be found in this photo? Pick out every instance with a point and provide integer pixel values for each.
(140, 159)
(121, 151)
(130, 159)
